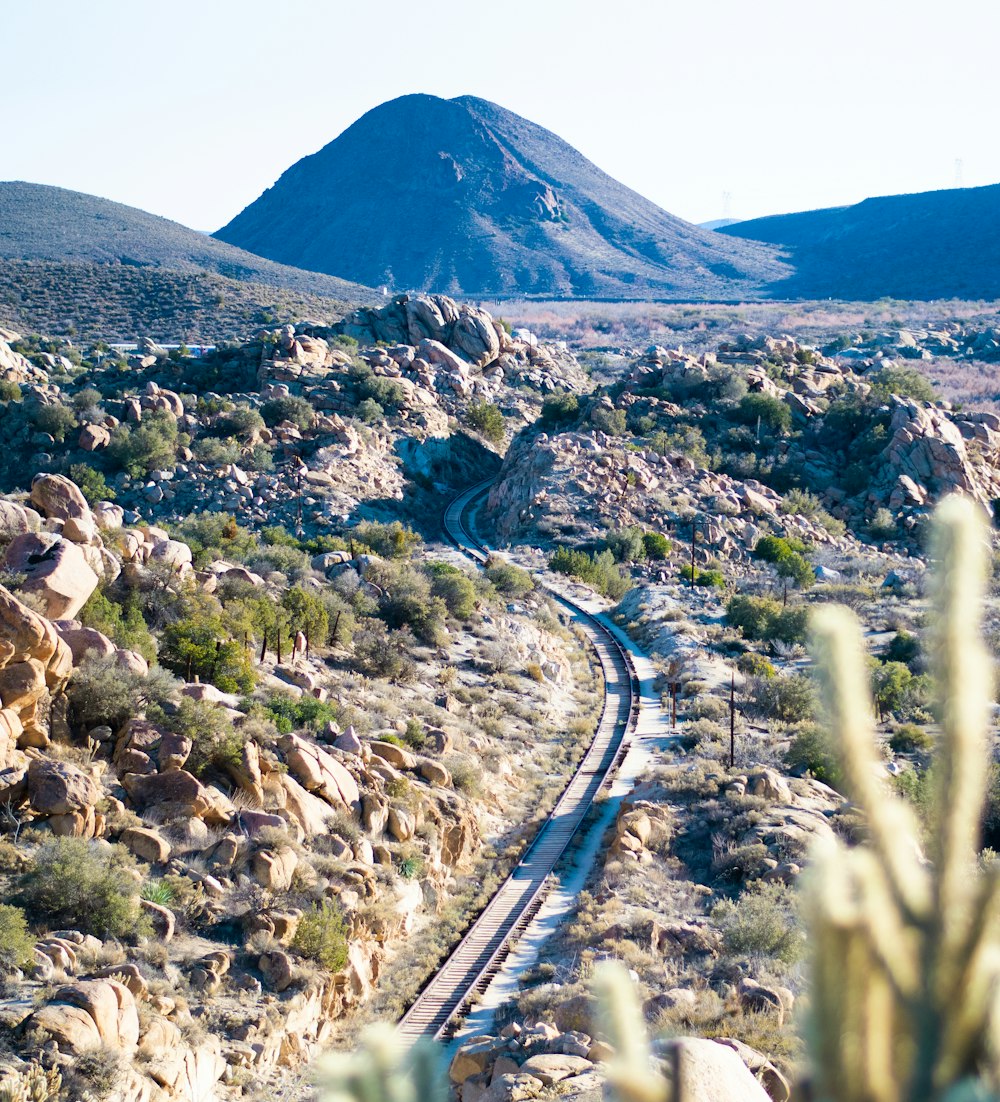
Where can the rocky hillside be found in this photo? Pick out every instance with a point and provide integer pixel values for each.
(261, 755)
(759, 433)
(466, 197)
(936, 244)
(75, 263)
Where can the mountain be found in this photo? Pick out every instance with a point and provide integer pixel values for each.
(933, 244)
(71, 262)
(718, 223)
(465, 197)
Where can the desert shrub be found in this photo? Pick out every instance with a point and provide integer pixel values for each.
(198, 645)
(9, 391)
(761, 923)
(307, 612)
(559, 410)
(380, 652)
(289, 713)
(148, 446)
(55, 419)
(407, 601)
(908, 737)
(94, 1074)
(321, 936)
(16, 944)
(810, 751)
(241, 422)
(102, 692)
(454, 588)
(786, 556)
(599, 570)
(708, 579)
(465, 774)
(655, 545)
(86, 886)
(288, 408)
(391, 541)
(755, 665)
(801, 503)
(764, 619)
(215, 743)
(214, 536)
(92, 483)
(216, 453)
(122, 623)
(488, 419)
(610, 421)
(771, 411)
(901, 381)
(369, 411)
(882, 526)
(903, 647)
(790, 698)
(626, 545)
(508, 579)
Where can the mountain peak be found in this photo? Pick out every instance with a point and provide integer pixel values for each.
(464, 196)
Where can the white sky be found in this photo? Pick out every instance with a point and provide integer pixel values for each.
(190, 108)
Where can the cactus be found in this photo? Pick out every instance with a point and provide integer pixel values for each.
(905, 985)
(906, 953)
(32, 1084)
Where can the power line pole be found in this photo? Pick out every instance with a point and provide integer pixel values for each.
(732, 719)
(694, 533)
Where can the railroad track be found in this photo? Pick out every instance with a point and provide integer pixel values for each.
(477, 958)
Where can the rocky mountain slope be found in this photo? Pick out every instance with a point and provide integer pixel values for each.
(935, 244)
(76, 263)
(466, 197)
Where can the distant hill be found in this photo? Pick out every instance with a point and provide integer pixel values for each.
(465, 197)
(113, 270)
(934, 244)
(718, 223)
(118, 302)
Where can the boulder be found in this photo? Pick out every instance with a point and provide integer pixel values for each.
(147, 844)
(394, 755)
(178, 794)
(56, 572)
(711, 1072)
(58, 788)
(274, 869)
(54, 495)
(15, 520)
(551, 1067)
(319, 772)
(90, 1014)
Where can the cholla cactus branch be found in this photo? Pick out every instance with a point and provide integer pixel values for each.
(906, 954)
(629, 1071)
(383, 1071)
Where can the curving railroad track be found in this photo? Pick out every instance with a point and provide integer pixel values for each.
(473, 963)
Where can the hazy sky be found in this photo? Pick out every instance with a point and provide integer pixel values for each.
(190, 108)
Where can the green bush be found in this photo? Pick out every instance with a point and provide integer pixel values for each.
(198, 645)
(488, 419)
(903, 382)
(610, 421)
(379, 652)
(55, 419)
(149, 446)
(289, 408)
(86, 886)
(16, 944)
(908, 737)
(710, 579)
(122, 623)
(755, 665)
(369, 411)
(508, 579)
(215, 743)
(882, 526)
(655, 545)
(810, 751)
(772, 412)
(903, 647)
(599, 571)
(764, 619)
(790, 698)
(456, 590)
(297, 714)
(102, 692)
(559, 410)
(763, 922)
(241, 422)
(92, 483)
(390, 541)
(9, 391)
(321, 936)
(215, 536)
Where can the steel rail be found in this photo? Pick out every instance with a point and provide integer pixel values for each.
(470, 967)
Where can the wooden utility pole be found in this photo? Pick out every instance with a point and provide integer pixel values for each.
(732, 719)
(694, 533)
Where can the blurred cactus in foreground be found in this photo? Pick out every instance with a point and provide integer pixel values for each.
(905, 986)
(906, 952)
